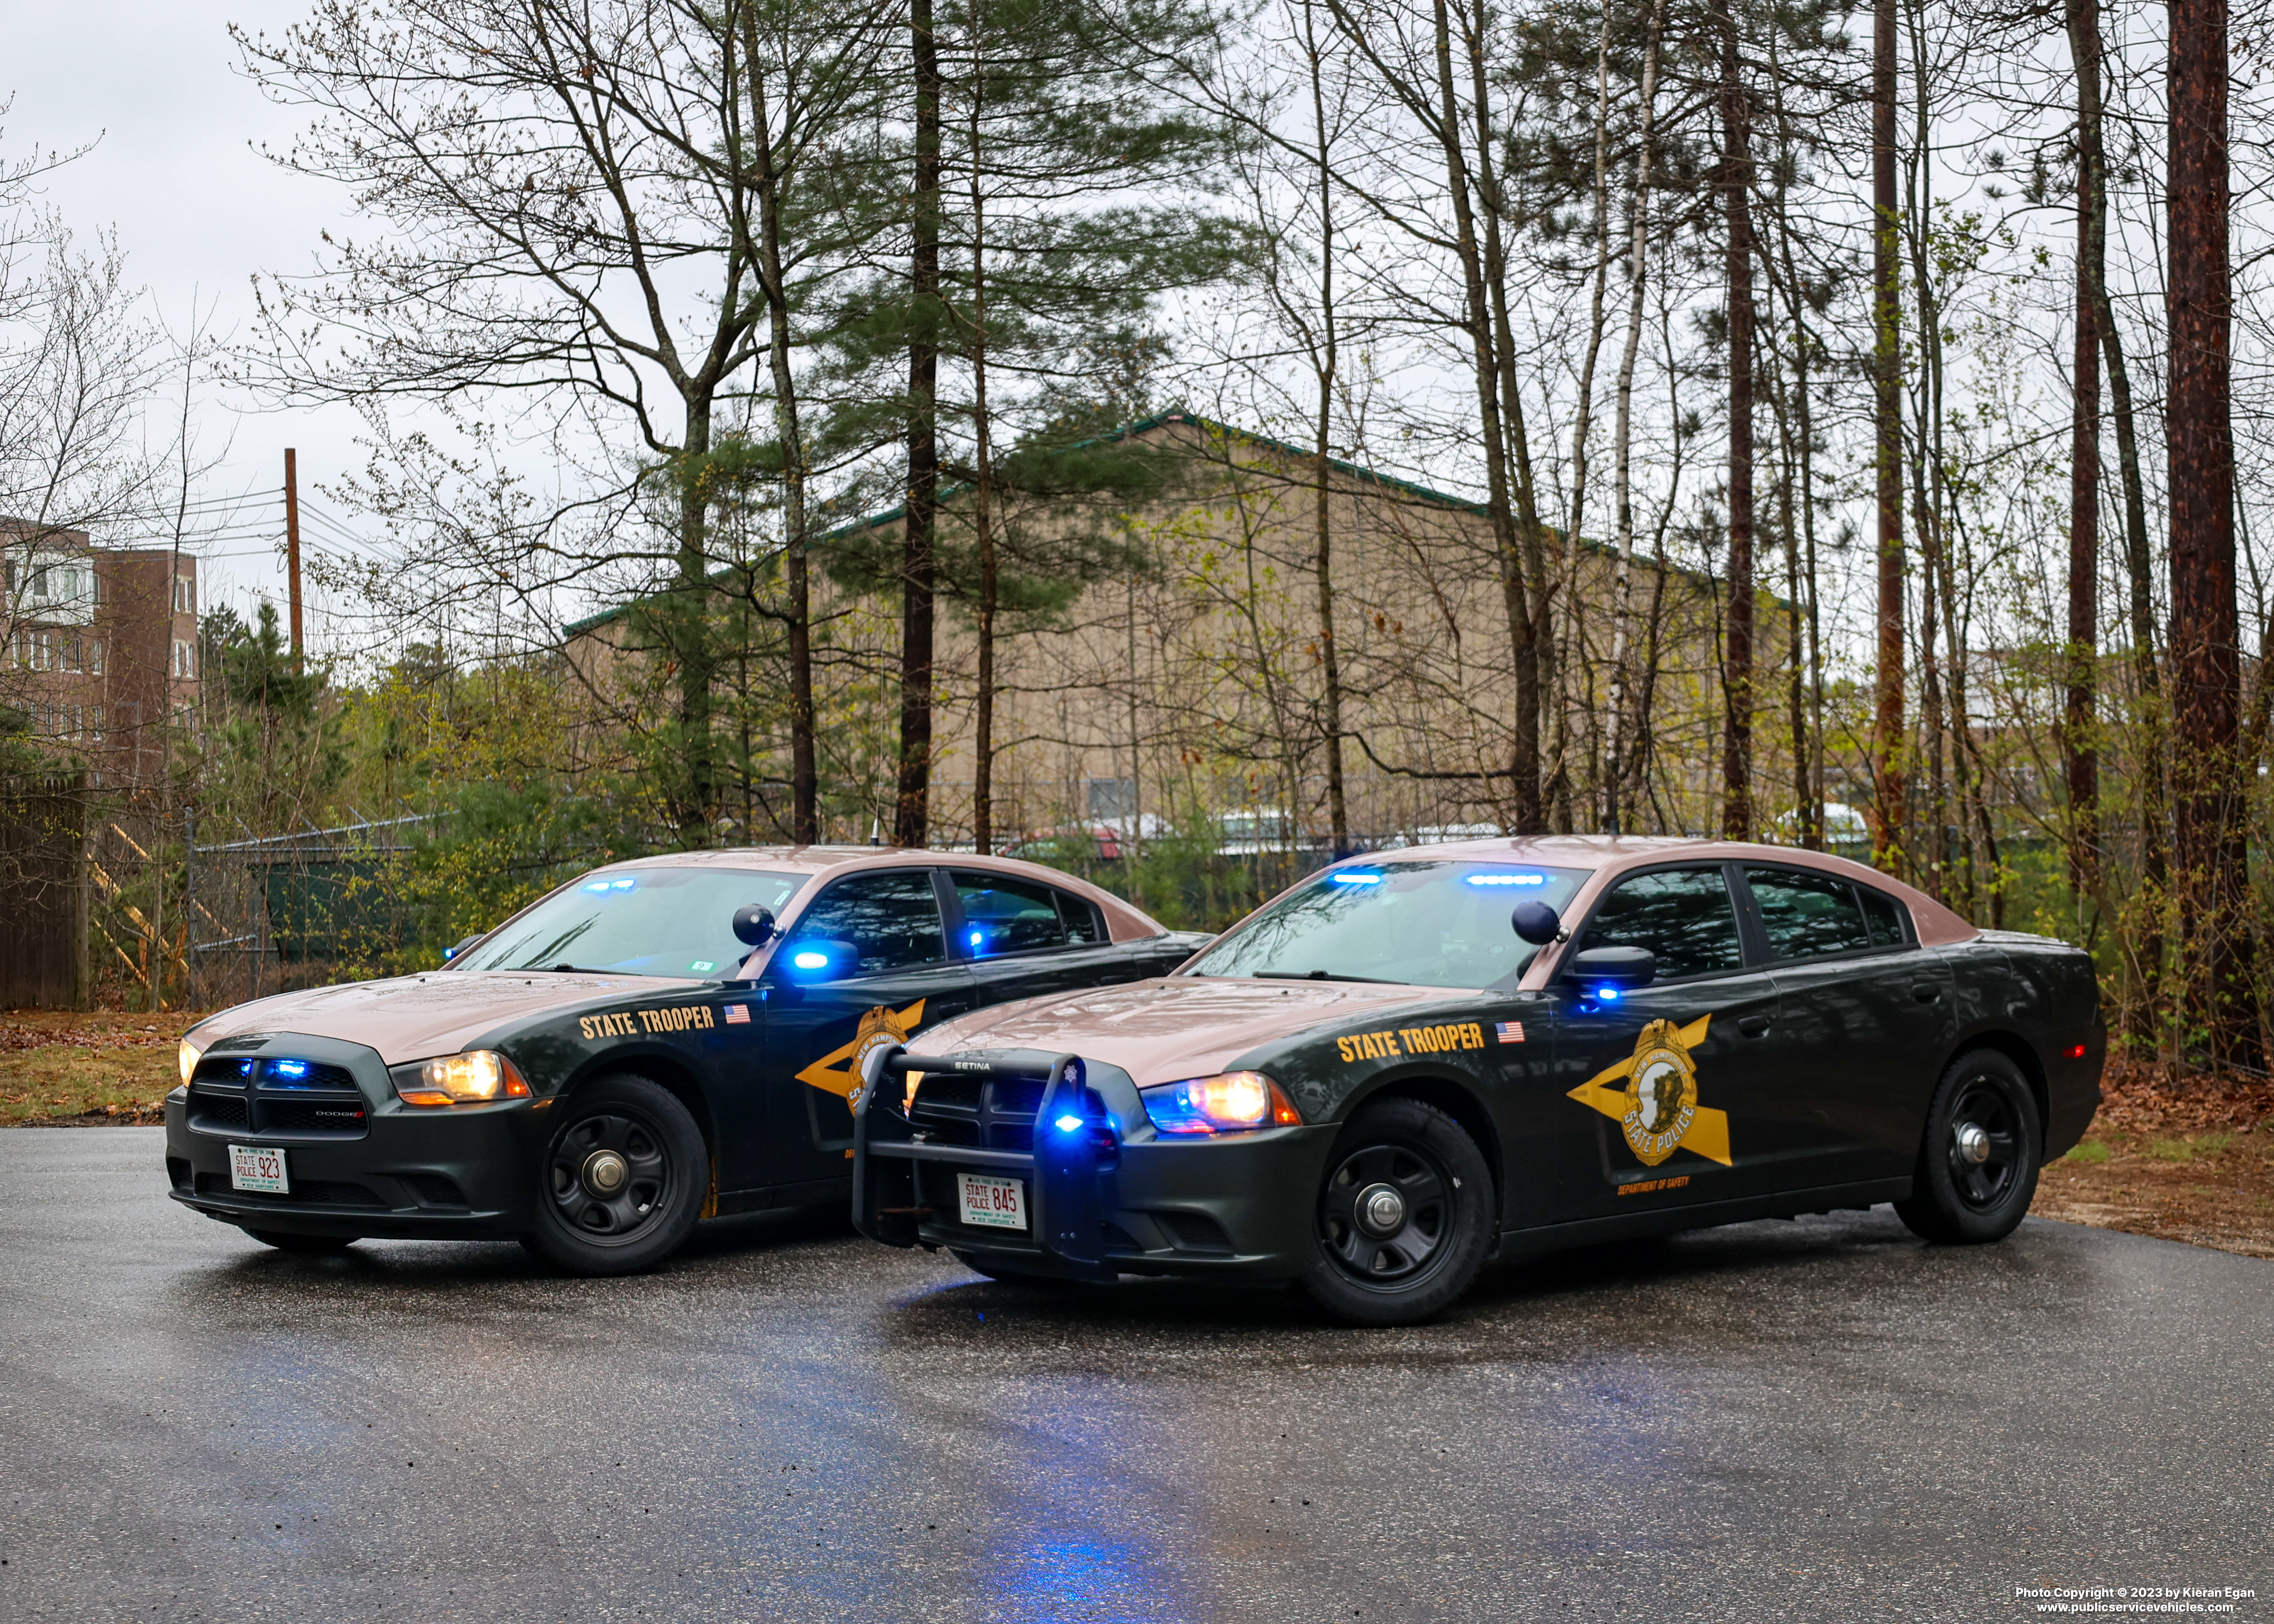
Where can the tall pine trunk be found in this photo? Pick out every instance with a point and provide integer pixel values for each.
(1737, 679)
(983, 499)
(1887, 764)
(2209, 832)
(2079, 746)
(911, 820)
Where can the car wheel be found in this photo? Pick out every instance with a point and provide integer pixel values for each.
(622, 1179)
(1977, 1166)
(1403, 1217)
(980, 1264)
(317, 1243)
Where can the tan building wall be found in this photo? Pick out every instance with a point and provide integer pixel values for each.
(1196, 684)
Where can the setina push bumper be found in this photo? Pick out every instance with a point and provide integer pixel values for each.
(1046, 1164)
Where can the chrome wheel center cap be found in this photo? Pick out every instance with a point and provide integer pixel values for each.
(1973, 1143)
(1381, 1209)
(606, 1172)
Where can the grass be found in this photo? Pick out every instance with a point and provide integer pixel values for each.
(2089, 1150)
(66, 1080)
(2187, 1147)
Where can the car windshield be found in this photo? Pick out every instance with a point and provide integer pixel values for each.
(1426, 924)
(637, 921)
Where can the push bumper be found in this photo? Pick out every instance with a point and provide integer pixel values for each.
(1105, 1197)
(466, 1173)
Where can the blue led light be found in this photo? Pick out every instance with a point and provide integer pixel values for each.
(977, 936)
(810, 960)
(1608, 995)
(622, 884)
(291, 1068)
(1508, 879)
(244, 1068)
(1070, 1123)
(1352, 876)
(598, 885)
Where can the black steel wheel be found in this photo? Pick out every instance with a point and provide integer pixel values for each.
(622, 1180)
(317, 1245)
(1977, 1166)
(1403, 1217)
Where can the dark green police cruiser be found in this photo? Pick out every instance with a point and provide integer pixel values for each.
(1414, 1062)
(655, 1042)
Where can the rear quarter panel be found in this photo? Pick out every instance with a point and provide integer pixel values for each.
(2041, 994)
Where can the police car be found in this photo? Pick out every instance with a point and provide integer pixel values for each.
(657, 1041)
(1414, 1061)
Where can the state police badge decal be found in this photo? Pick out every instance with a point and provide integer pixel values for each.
(1657, 1108)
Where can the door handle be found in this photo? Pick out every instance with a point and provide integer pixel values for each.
(1752, 1025)
(1926, 992)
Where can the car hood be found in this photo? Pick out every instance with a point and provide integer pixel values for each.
(411, 1017)
(1176, 1027)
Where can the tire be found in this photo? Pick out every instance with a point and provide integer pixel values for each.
(312, 1244)
(621, 1181)
(1401, 1160)
(978, 1264)
(1978, 1161)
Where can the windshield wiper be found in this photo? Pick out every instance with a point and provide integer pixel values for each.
(1324, 976)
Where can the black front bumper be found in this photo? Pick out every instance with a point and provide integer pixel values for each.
(466, 1173)
(1108, 1198)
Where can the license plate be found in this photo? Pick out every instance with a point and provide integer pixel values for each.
(993, 1203)
(257, 1169)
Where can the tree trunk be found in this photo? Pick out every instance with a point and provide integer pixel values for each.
(1328, 362)
(2206, 668)
(690, 636)
(1524, 755)
(982, 516)
(911, 825)
(1622, 429)
(804, 775)
(1738, 681)
(2080, 748)
(1887, 764)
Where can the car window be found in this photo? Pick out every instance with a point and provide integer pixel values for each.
(1682, 915)
(1005, 914)
(666, 921)
(891, 916)
(1884, 915)
(1808, 915)
(1083, 924)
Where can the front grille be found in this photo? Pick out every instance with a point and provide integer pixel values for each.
(996, 1113)
(305, 1099)
(217, 1112)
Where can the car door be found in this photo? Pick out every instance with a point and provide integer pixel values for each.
(1866, 1016)
(818, 1020)
(1663, 1100)
(1024, 937)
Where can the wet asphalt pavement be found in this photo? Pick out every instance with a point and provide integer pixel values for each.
(1821, 1420)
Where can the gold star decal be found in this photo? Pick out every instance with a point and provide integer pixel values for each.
(1657, 1108)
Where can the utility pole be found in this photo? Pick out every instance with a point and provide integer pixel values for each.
(292, 544)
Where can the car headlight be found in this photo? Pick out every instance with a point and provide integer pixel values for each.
(1224, 1103)
(186, 1056)
(476, 1075)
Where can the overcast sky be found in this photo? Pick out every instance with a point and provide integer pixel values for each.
(175, 169)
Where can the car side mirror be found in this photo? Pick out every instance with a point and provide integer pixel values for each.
(754, 925)
(818, 958)
(1610, 970)
(449, 954)
(1537, 923)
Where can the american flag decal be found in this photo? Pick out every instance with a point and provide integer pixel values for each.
(1510, 1030)
(738, 1014)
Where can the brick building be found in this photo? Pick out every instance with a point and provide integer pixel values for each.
(102, 647)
